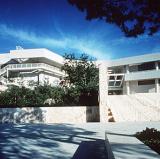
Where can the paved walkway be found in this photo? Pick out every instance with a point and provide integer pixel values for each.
(59, 141)
(125, 146)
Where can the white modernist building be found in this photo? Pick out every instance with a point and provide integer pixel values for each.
(28, 66)
(137, 74)
(130, 88)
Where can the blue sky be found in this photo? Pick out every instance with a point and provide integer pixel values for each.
(60, 27)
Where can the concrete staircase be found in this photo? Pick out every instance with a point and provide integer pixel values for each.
(136, 107)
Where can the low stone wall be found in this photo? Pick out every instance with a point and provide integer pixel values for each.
(65, 114)
(22, 115)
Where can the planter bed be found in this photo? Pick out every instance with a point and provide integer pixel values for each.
(150, 137)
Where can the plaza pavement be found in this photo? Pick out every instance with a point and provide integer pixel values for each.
(63, 141)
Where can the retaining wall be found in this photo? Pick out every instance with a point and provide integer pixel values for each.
(65, 114)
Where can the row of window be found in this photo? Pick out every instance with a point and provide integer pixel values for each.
(117, 83)
(147, 82)
(115, 77)
(146, 66)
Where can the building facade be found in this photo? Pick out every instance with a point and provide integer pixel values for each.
(137, 74)
(129, 89)
(30, 66)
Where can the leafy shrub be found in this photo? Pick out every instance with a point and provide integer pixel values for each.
(22, 96)
(150, 137)
(58, 94)
(72, 95)
(16, 96)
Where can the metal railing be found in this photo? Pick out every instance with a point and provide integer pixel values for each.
(31, 66)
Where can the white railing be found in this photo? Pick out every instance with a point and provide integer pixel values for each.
(31, 66)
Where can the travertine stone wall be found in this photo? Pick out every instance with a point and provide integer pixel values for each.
(66, 114)
(103, 92)
(69, 114)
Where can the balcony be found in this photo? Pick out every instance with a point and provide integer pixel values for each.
(142, 75)
(32, 66)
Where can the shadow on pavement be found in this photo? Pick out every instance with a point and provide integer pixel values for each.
(40, 141)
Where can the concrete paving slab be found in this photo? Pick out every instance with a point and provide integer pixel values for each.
(125, 146)
(60, 141)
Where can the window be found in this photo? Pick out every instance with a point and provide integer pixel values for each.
(146, 66)
(146, 82)
(111, 78)
(119, 77)
(111, 83)
(118, 83)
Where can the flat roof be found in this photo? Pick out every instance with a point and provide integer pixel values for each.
(134, 60)
(31, 53)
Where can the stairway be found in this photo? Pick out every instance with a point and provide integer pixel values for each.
(136, 107)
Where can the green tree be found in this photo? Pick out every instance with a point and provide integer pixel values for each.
(82, 76)
(81, 72)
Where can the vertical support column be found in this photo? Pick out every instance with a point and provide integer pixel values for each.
(127, 82)
(7, 75)
(127, 87)
(38, 79)
(103, 92)
(127, 69)
(156, 65)
(157, 80)
(157, 85)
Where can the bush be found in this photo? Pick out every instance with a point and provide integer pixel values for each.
(72, 95)
(22, 96)
(16, 96)
(58, 95)
(150, 137)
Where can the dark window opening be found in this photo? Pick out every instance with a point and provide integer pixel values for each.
(146, 66)
(146, 82)
(111, 83)
(119, 77)
(115, 92)
(111, 78)
(118, 83)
